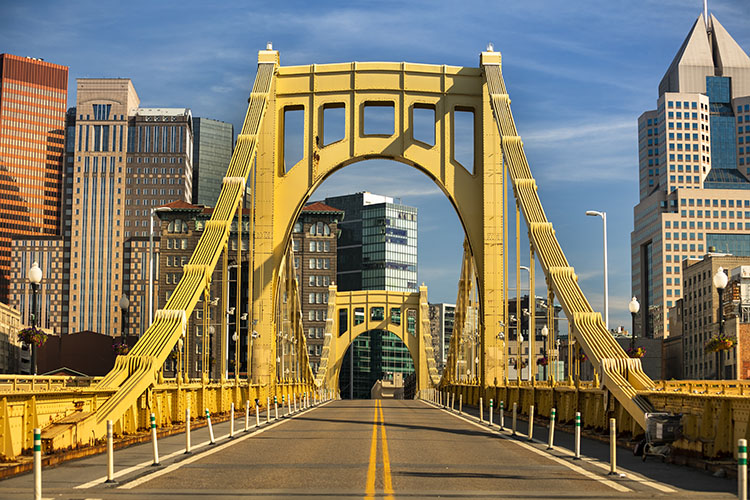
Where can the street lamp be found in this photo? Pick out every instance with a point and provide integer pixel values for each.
(720, 282)
(634, 307)
(124, 304)
(545, 334)
(151, 262)
(603, 215)
(35, 278)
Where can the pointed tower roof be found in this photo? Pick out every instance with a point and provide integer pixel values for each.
(730, 60)
(693, 62)
(707, 51)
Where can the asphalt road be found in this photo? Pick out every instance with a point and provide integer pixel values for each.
(373, 449)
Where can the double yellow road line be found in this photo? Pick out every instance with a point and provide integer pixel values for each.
(372, 467)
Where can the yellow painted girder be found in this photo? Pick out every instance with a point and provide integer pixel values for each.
(137, 370)
(623, 376)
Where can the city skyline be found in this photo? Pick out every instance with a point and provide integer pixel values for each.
(561, 77)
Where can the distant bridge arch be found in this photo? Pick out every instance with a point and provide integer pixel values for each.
(351, 314)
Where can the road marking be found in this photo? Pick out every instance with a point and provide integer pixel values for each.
(565, 463)
(371, 467)
(388, 488)
(211, 451)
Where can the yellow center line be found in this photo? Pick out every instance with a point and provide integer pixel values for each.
(370, 485)
(388, 488)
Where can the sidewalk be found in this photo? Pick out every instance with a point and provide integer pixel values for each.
(134, 461)
(654, 469)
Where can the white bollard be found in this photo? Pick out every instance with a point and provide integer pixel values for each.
(578, 436)
(110, 453)
(502, 415)
(231, 421)
(742, 469)
(268, 410)
(612, 446)
(453, 401)
(481, 410)
(247, 415)
(460, 404)
(187, 429)
(551, 439)
(515, 414)
(257, 414)
(289, 406)
(37, 464)
(490, 413)
(210, 427)
(531, 423)
(276, 408)
(295, 403)
(154, 445)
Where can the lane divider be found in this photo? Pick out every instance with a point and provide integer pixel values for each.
(378, 421)
(387, 481)
(371, 466)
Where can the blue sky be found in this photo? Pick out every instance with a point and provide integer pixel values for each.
(579, 75)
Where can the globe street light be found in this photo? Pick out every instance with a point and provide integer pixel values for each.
(634, 307)
(35, 278)
(124, 304)
(603, 215)
(720, 282)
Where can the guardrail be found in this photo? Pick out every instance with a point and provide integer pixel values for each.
(38, 383)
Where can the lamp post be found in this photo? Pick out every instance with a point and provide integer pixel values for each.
(35, 278)
(124, 304)
(720, 282)
(151, 262)
(633, 307)
(545, 334)
(603, 215)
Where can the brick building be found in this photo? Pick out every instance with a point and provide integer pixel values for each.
(314, 242)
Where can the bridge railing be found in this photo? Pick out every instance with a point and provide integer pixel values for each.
(38, 383)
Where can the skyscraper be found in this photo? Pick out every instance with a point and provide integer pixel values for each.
(694, 170)
(377, 251)
(33, 99)
(213, 144)
(123, 162)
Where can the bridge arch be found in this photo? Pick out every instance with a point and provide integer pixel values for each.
(476, 192)
(351, 314)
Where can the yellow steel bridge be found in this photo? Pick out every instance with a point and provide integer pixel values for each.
(74, 411)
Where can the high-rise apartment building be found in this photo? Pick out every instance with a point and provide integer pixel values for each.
(213, 144)
(33, 99)
(377, 251)
(128, 161)
(314, 242)
(694, 170)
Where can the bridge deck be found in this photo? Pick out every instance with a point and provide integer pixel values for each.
(328, 452)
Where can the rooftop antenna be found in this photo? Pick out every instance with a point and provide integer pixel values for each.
(705, 12)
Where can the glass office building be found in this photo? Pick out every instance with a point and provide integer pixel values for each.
(213, 143)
